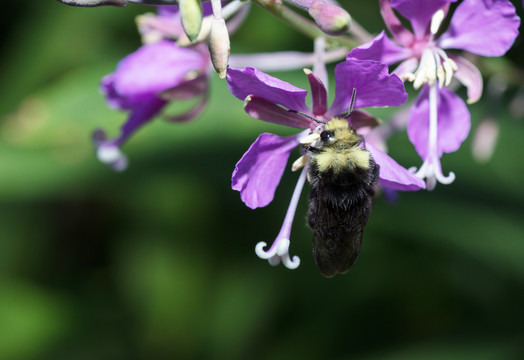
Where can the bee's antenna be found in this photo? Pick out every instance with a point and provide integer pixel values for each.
(352, 103)
(306, 115)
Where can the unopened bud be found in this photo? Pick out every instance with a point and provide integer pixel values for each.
(219, 46)
(331, 19)
(191, 14)
(183, 40)
(91, 3)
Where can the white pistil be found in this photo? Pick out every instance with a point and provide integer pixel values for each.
(279, 250)
(431, 169)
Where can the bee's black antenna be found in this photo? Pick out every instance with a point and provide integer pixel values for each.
(352, 103)
(306, 115)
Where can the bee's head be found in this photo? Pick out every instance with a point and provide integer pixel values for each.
(336, 133)
(338, 130)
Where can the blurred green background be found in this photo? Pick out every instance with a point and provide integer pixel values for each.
(158, 262)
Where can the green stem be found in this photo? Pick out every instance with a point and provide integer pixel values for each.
(303, 25)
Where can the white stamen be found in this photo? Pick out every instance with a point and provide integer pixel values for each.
(434, 65)
(300, 163)
(448, 69)
(310, 138)
(453, 64)
(407, 77)
(441, 76)
(436, 21)
(426, 72)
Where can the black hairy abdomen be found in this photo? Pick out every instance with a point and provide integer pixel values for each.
(340, 205)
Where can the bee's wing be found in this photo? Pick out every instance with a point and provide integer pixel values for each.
(337, 233)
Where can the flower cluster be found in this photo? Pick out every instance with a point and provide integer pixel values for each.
(258, 173)
(184, 42)
(439, 120)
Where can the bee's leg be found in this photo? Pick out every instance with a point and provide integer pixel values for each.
(374, 174)
(313, 150)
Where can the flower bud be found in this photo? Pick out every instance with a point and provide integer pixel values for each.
(91, 3)
(191, 14)
(219, 46)
(331, 19)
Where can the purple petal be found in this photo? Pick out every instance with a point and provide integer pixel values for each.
(170, 10)
(188, 89)
(406, 67)
(375, 87)
(154, 68)
(139, 116)
(113, 99)
(453, 122)
(250, 81)
(391, 174)
(397, 29)
(167, 10)
(189, 114)
(108, 150)
(470, 77)
(363, 122)
(258, 173)
(419, 13)
(380, 49)
(318, 94)
(166, 25)
(487, 27)
(262, 109)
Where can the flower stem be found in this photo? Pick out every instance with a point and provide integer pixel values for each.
(301, 24)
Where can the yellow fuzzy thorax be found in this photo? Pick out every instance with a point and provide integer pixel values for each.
(337, 123)
(343, 153)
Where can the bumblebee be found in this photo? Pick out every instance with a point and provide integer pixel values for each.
(342, 174)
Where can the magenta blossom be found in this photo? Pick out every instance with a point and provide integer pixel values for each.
(258, 173)
(440, 120)
(143, 84)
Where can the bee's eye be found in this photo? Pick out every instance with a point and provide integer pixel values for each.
(325, 136)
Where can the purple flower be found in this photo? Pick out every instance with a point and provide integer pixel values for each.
(258, 173)
(143, 84)
(483, 27)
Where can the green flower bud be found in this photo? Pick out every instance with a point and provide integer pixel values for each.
(219, 46)
(191, 14)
